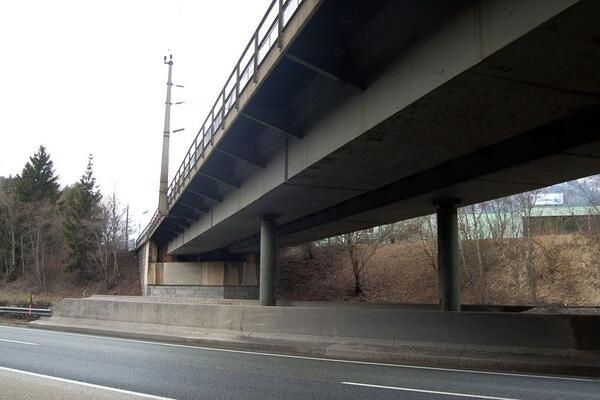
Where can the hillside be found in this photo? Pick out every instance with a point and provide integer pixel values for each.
(60, 284)
(566, 270)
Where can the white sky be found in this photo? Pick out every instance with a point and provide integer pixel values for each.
(86, 77)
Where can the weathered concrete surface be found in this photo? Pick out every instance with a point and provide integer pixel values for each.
(548, 332)
(206, 292)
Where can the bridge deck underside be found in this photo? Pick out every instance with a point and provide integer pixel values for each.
(520, 118)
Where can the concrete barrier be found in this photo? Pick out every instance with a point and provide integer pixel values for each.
(535, 331)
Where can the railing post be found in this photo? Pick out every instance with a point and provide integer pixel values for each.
(223, 110)
(212, 126)
(254, 75)
(237, 87)
(203, 139)
(280, 25)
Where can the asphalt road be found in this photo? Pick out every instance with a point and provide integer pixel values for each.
(102, 367)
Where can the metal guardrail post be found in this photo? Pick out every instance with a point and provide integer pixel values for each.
(280, 25)
(212, 126)
(223, 109)
(237, 87)
(254, 74)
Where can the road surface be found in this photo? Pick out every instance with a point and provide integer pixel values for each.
(45, 364)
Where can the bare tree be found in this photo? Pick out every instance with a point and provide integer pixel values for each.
(427, 234)
(309, 250)
(42, 233)
(513, 231)
(11, 213)
(464, 231)
(360, 247)
(476, 214)
(526, 202)
(109, 229)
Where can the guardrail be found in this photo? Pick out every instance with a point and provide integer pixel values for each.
(38, 312)
(268, 33)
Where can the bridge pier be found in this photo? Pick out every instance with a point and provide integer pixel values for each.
(268, 250)
(448, 269)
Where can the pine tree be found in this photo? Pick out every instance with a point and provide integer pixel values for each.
(37, 181)
(81, 208)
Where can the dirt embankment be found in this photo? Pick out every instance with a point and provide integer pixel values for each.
(60, 284)
(563, 269)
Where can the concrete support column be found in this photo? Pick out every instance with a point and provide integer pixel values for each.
(448, 269)
(268, 249)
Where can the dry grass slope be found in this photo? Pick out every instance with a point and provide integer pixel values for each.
(566, 270)
(61, 285)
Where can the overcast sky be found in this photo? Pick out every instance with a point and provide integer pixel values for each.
(86, 77)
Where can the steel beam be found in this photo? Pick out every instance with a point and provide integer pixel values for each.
(188, 220)
(170, 219)
(164, 237)
(194, 217)
(270, 125)
(240, 158)
(205, 196)
(330, 72)
(192, 207)
(169, 229)
(173, 226)
(224, 181)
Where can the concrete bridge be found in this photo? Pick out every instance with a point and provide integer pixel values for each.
(346, 114)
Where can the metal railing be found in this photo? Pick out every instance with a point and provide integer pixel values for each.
(268, 33)
(38, 312)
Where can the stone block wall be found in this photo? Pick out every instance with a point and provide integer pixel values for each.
(205, 292)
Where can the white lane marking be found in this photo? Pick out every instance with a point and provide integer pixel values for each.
(19, 342)
(473, 396)
(334, 360)
(90, 385)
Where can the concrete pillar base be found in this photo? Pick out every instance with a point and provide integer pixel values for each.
(448, 268)
(268, 251)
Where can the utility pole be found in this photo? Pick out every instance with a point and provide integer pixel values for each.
(164, 168)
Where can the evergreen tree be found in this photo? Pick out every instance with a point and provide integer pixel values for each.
(81, 208)
(37, 181)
